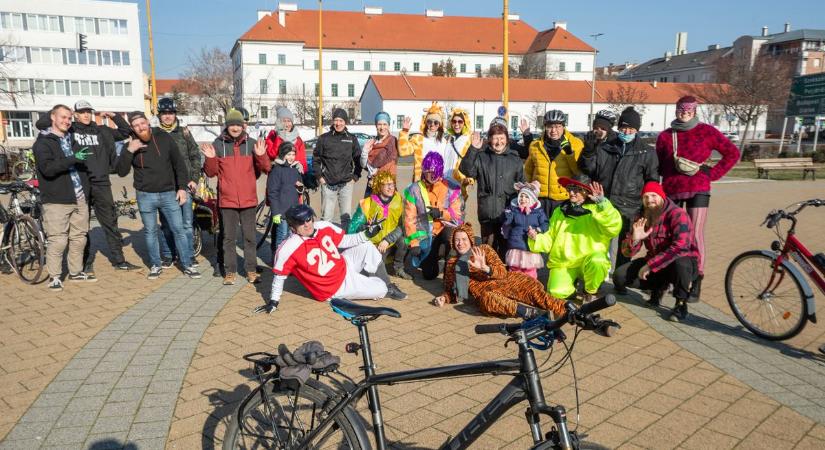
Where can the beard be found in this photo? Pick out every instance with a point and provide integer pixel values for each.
(652, 214)
(144, 136)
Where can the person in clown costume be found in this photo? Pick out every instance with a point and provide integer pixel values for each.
(433, 138)
(384, 204)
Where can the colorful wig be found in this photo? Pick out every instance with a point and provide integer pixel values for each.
(433, 162)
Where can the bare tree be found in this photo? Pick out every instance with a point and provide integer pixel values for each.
(536, 115)
(497, 71)
(627, 95)
(210, 77)
(747, 90)
(444, 68)
(304, 106)
(10, 88)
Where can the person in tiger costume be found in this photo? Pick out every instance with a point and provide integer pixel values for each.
(479, 273)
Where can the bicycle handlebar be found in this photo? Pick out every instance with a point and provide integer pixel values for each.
(776, 215)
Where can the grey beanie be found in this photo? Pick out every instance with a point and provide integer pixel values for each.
(284, 113)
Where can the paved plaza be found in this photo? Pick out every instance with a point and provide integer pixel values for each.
(138, 364)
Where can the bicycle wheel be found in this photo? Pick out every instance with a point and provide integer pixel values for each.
(286, 418)
(27, 250)
(21, 171)
(769, 301)
(197, 239)
(263, 222)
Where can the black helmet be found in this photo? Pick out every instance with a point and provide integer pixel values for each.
(555, 116)
(244, 112)
(298, 215)
(166, 104)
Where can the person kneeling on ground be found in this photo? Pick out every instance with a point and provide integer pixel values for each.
(311, 254)
(479, 273)
(577, 238)
(672, 257)
(385, 205)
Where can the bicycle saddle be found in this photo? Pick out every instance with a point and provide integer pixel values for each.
(349, 309)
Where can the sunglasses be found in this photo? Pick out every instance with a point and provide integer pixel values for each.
(575, 189)
(457, 121)
(433, 122)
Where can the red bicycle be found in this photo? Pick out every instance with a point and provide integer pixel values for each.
(767, 291)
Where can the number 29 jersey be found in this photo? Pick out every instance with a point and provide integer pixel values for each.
(314, 261)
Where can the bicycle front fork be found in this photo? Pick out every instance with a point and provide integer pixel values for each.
(560, 435)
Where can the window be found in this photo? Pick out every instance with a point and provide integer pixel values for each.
(562, 66)
(282, 86)
(382, 66)
(11, 21)
(335, 89)
(121, 25)
(416, 67)
(282, 59)
(435, 67)
(85, 88)
(479, 122)
(119, 89)
(514, 122)
(399, 120)
(816, 62)
(367, 66)
(103, 25)
(38, 87)
(315, 64)
(127, 88)
(74, 88)
(350, 65)
(261, 58)
(333, 65)
(95, 87)
(578, 67)
(492, 68)
(350, 90)
(115, 58)
(396, 66)
(463, 68)
(262, 86)
(351, 112)
(316, 89)
(125, 58)
(71, 56)
(264, 113)
(105, 57)
(81, 58)
(108, 89)
(20, 124)
(91, 56)
(478, 69)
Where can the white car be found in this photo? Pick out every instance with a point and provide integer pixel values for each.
(733, 136)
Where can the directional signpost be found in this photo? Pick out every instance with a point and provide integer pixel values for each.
(807, 99)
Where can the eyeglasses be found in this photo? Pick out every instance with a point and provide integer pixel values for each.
(575, 190)
(457, 121)
(433, 122)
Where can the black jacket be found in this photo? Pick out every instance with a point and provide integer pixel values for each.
(337, 157)
(101, 143)
(495, 175)
(623, 169)
(159, 166)
(53, 170)
(280, 187)
(188, 149)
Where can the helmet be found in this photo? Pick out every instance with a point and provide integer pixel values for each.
(244, 112)
(166, 104)
(434, 163)
(607, 115)
(298, 215)
(555, 116)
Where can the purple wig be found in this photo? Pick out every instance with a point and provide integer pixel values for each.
(433, 162)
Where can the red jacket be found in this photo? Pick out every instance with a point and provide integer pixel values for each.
(273, 141)
(237, 167)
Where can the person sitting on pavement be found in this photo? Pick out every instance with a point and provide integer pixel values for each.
(283, 191)
(430, 205)
(496, 168)
(478, 273)
(552, 157)
(621, 163)
(64, 186)
(385, 205)
(578, 238)
(381, 152)
(238, 161)
(311, 253)
(666, 232)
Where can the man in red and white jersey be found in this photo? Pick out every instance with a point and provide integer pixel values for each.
(328, 262)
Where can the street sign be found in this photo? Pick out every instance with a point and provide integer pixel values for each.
(807, 97)
(502, 111)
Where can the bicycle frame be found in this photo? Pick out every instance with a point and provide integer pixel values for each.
(526, 385)
(804, 259)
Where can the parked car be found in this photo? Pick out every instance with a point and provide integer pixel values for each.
(732, 135)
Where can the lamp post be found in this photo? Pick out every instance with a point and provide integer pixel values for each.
(154, 87)
(320, 126)
(593, 81)
(505, 66)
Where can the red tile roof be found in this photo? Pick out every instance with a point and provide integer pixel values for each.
(558, 39)
(395, 87)
(168, 86)
(356, 30)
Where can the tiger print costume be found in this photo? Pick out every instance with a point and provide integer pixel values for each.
(500, 292)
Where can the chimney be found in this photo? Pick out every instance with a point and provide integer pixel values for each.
(668, 56)
(764, 31)
(560, 24)
(654, 83)
(282, 9)
(262, 13)
(787, 27)
(434, 12)
(513, 17)
(681, 43)
(713, 47)
(373, 11)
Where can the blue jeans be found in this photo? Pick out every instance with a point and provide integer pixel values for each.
(280, 232)
(149, 204)
(167, 244)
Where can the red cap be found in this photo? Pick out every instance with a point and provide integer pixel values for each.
(652, 186)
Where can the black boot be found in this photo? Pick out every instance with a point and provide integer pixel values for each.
(655, 299)
(695, 289)
(679, 312)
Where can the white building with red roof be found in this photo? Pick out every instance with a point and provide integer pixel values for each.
(276, 60)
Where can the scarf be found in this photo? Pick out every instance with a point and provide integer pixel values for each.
(169, 128)
(677, 125)
(462, 277)
(288, 136)
(572, 210)
(553, 146)
(66, 147)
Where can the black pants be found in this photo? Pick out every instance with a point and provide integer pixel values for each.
(100, 198)
(231, 218)
(400, 249)
(620, 258)
(429, 266)
(491, 235)
(681, 273)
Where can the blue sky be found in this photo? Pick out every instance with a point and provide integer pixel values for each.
(633, 31)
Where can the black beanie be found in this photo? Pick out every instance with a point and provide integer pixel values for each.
(602, 123)
(285, 148)
(339, 113)
(630, 118)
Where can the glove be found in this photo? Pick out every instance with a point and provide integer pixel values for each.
(267, 308)
(276, 219)
(82, 154)
(567, 149)
(373, 228)
(415, 251)
(434, 212)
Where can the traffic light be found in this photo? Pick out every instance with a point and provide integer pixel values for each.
(81, 42)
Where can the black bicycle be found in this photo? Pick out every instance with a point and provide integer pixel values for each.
(23, 241)
(290, 410)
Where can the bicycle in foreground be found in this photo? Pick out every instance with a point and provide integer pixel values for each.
(766, 290)
(23, 243)
(291, 410)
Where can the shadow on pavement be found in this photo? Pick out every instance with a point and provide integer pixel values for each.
(224, 403)
(109, 444)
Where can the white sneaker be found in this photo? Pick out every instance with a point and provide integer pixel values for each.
(56, 285)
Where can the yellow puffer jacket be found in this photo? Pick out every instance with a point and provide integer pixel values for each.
(539, 167)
